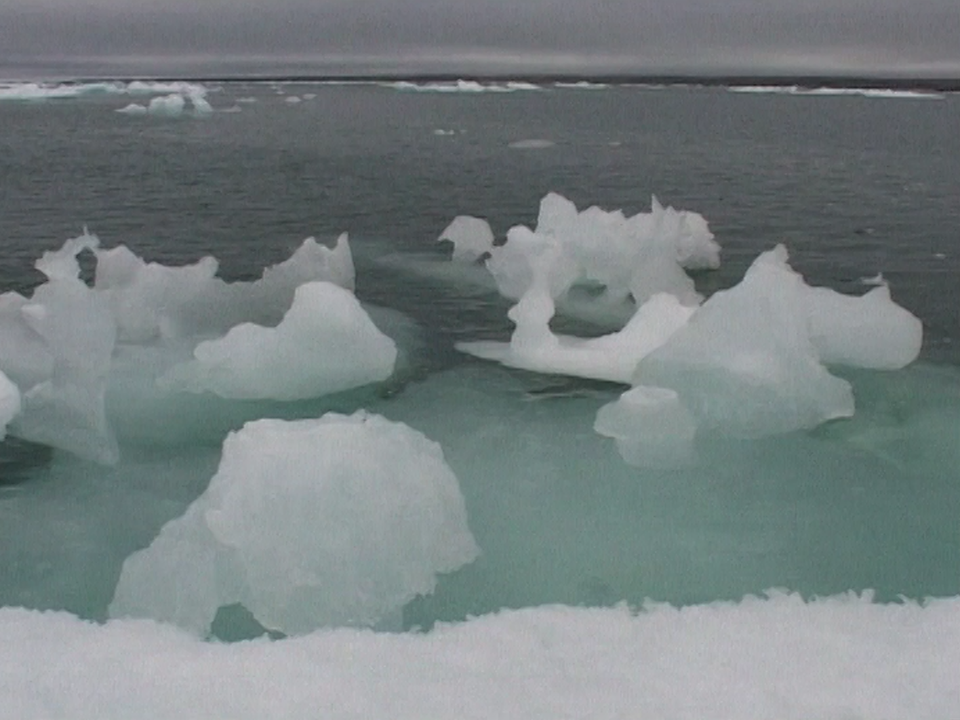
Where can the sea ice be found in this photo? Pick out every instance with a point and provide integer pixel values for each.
(327, 522)
(532, 144)
(745, 363)
(167, 105)
(612, 357)
(870, 331)
(9, 403)
(472, 238)
(69, 328)
(325, 343)
(651, 426)
(153, 301)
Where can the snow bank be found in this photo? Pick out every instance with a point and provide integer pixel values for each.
(335, 521)
(326, 343)
(777, 657)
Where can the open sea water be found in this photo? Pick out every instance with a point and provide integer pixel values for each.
(852, 185)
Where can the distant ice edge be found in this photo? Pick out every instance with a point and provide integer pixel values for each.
(760, 658)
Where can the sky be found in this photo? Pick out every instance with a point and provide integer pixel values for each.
(901, 37)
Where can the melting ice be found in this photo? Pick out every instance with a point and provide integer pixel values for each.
(348, 518)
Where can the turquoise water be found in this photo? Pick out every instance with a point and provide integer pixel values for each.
(852, 185)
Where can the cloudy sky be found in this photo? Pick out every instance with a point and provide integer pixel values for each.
(913, 37)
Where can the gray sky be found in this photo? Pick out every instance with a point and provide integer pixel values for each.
(861, 36)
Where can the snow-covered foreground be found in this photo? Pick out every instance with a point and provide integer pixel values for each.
(777, 657)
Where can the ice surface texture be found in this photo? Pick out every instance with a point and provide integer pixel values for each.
(751, 361)
(296, 333)
(776, 657)
(325, 343)
(311, 523)
(9, 403)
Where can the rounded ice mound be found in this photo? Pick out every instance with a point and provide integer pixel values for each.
(326, 343)
(651, 426)
(745, 363)
(336, 521)
(472, 238)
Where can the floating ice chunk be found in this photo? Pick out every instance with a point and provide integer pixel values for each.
(78, 333)
(292, 99)
(9, 403)
(532, 144)
(780, 656)
(62, 264)
(745, 365)
(651, 426)
(612, 357)
(696, 247)
(159, 87)
(870, 331)
(877, 279)
(167, 105)
(201, 106)
(472, 238)
(133, 109)
(325, 343)
(513, 264)
(24, 357)
(335, 521)
(152, 301)
(581, 85)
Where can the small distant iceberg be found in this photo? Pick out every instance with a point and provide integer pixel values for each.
(463, 86)
(581, 85)
(171, 106)
(862, 92)
(531, 144)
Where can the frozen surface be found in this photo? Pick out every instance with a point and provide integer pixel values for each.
(32, 91)
(472, 238)
(335, 521)
(153, 301)
(9, 403)
(462, 86)
(745, 364)
(635, 256)
(757, 659)
(651, 427)
(829, 91)
(614, 357)
(326, 343)
(69, 328)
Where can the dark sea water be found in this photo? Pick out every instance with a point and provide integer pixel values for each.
(852, 185)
